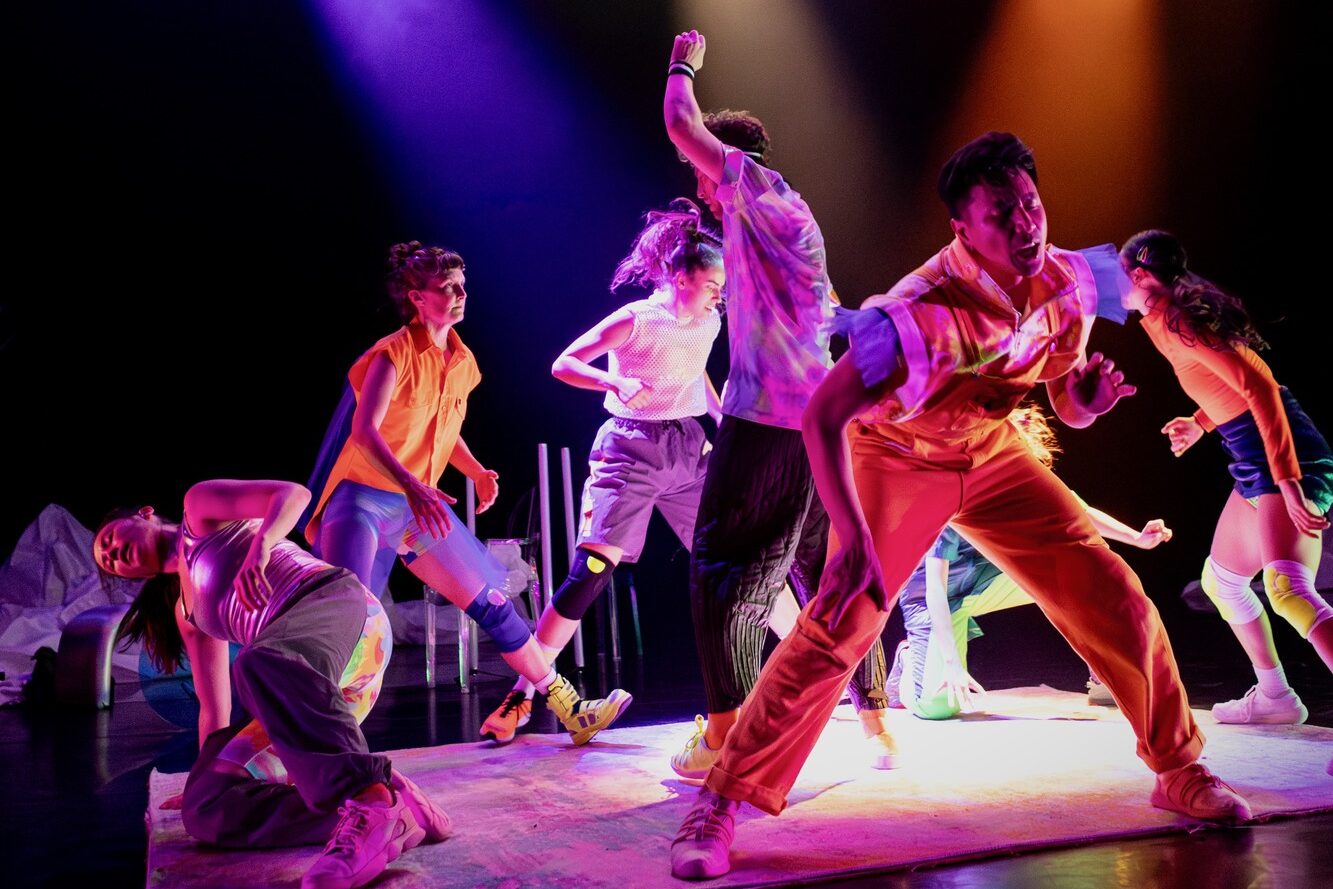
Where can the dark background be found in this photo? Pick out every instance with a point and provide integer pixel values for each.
(201, 195)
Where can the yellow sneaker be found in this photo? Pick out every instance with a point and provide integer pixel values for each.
(512, 714)
(697, 758)
(584, 718)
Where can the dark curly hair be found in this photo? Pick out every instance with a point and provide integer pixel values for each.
(412, 266)
(993, 158)
(739, 129)
(1197, 310)
(672, 240)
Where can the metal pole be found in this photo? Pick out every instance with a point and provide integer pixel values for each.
(428, 598)
(567, 476)
(544, 495)
(473, 654)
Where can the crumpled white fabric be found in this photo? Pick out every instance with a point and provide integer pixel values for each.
(47, 581)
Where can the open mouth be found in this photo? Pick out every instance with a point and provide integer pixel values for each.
(1029, 253)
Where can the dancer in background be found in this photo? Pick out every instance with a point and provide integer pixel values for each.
(756, 498)
(652, 452)
(411, 392)
(956, 584)
(935, 368)
(315, 644)
(1281, 466)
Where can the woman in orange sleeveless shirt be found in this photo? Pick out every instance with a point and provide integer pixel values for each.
(1282, 467)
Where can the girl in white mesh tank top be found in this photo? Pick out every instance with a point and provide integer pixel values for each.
(652, 452)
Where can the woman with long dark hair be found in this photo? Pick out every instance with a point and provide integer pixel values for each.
(1282, 467)
(315, 644)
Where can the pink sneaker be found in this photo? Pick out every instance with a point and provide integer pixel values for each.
(1198, 793)
(430, 817)
(366, 839)
(702, 848)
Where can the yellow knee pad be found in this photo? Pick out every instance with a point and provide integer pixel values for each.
(1231, 593)
(1290, 588)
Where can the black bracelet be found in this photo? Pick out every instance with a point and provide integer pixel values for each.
(684, 68)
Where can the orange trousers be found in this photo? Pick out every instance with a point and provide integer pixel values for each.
(1028, 523)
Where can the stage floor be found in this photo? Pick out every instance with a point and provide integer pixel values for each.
(1040, 769)
(84, 777)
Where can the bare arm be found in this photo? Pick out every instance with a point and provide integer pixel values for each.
(840, 398)
(1111, 528)
(209, 663)
(573, 367)
(277, 504)
(937, 606)
(684, 120)
(371, 406)
(714, 400)
(955, 680)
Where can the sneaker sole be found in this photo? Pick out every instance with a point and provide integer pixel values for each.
(410, 839)
(1270, 719)
(691, 774)
(493, 736)
(699, 869)
(583, 736)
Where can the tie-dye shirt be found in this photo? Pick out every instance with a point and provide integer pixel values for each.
(778, 295)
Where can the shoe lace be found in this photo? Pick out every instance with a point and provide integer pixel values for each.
(698, 734)
(706, 821)
(512, 702)
(1195, 779)
(352, 826)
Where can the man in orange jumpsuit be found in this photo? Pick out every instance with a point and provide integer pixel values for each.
(936, 366)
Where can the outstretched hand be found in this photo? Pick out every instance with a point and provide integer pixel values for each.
(1097, 385)
(964, 692)
(689, 48)
(853, 571)
(1153, 533)
(488, 489)
(1182, 432)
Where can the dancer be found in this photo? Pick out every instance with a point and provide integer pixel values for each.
(935, 368)
(411, 392)
(652, 452)
(315, 647)
(1282, 467)
(956, 584)
(757, 493)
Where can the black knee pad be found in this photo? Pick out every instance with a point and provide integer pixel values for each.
(588, 576)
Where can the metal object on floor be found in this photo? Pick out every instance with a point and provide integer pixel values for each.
(544, 498)
(468, 653)
(571, 536)
(83, 663)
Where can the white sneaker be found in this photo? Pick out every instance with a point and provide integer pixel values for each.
(366, 839)
(1258, 708)
(430, 817)
(697, 757)
(882, 750)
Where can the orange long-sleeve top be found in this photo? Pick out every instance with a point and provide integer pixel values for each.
(1225, 383)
